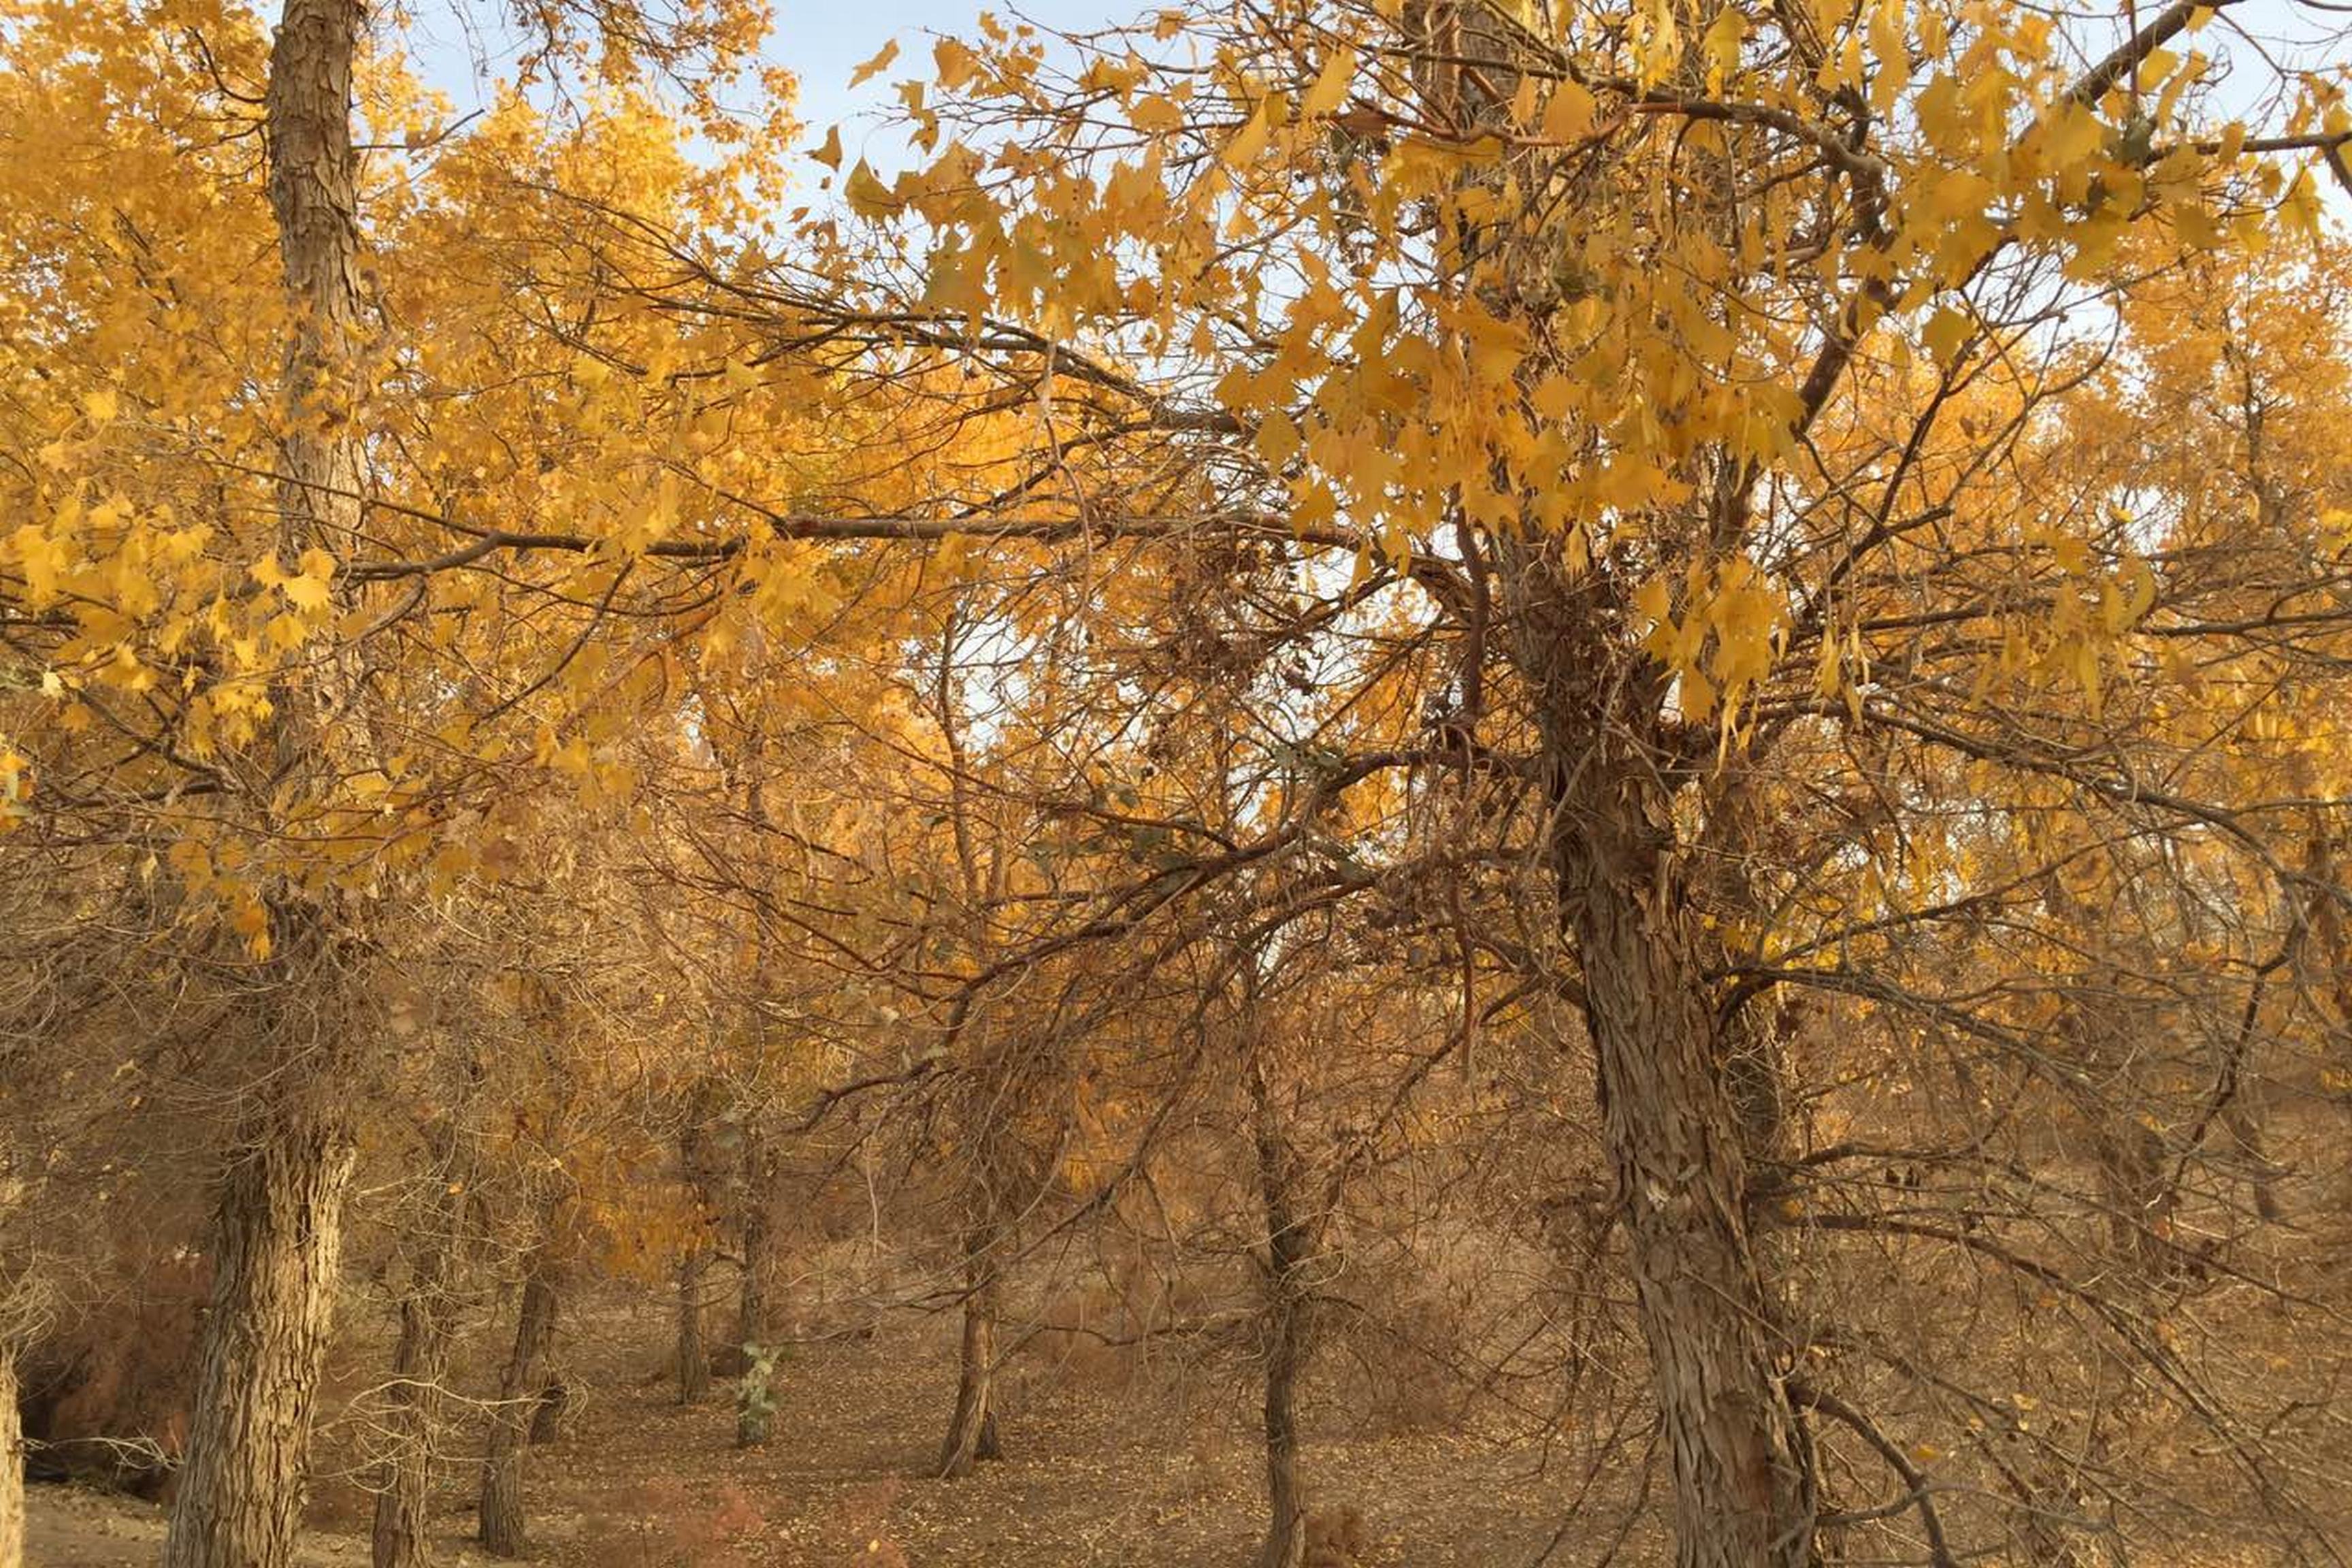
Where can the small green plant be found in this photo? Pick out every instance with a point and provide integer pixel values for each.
(755, 1394)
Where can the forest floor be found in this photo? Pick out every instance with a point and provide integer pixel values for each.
(1098, 1473)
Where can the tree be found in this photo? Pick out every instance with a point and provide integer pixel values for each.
(1572, 321)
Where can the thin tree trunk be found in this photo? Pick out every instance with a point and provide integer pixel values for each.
(420, 1362)
(1743, 1494)
(277, 1240)
(693, 1346)
(971, 1431)
(759, 1245)
(12, 1468)
(501, 1512)
(1289, 1248)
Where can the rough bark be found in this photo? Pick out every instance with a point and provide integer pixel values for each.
(1743, 1496)
(12, 1468)
(971, 1430)
(277, 1220)
(1289, 1249)
(501, 1515)
(277, 1240)
(547, 1413)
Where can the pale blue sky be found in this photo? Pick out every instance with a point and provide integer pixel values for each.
(821, 42)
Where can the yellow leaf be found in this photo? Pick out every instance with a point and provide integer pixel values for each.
(1251, 139)
(1654, 601)
(868, 197)
(1331, 88)
(830, 153)
(874, 67)
(1722, 45)
(1946, 330)
(1569, 115)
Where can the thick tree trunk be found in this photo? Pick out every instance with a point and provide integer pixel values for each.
(1289, 1248)
(12, 1468)
(693, 1344)
(501, 1514)
(1743, 1495)
(276, 1238)
(971, 1431)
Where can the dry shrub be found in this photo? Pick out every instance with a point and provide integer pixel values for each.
(660, 1522)
(1085, 1334)
(105, 1393)
(1335, 1538)
(1406, 1365)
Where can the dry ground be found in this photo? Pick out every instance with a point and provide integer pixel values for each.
(1103, 1471)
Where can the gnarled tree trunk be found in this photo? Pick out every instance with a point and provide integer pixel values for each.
(1743, 1492)
(501, 1514)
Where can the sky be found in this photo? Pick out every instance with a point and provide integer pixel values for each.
(822, 42)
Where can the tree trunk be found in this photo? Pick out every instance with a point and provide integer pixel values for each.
(693, 1346)
(276, 1240)
(12, 1468)
(546, 1413)
(501, 1513)
(420, 1362)
(276, 1222)
(971, 1431)
(1289, 1246)
(759, 1245)
(1743, 1494)
(417, 1365)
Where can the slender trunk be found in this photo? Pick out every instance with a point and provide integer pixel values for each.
(276, 1240)
(420, 1362)
(971, 1431)
(693, 1347)
(1289, 1248)
(12, 1468)
(1743, 1494)
(759, 1245)
(501, 1513)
